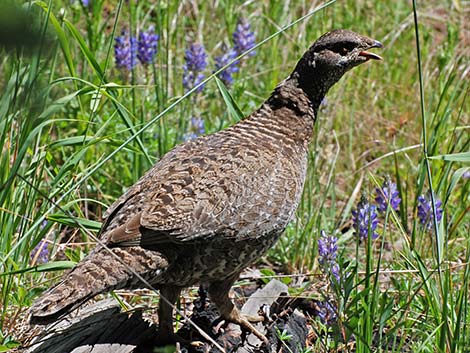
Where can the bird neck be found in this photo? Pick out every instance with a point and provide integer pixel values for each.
(290, 94)
(287, 115)
(314, 79)
(315, 90)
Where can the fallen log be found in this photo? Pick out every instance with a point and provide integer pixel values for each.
(103, 328)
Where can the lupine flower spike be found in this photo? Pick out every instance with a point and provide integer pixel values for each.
(327, 312)
(243, 38)
(327, 251)
(387, 194)
(147, 45)
(196, 129)
(85, 3)
(425, 213)
(224, 59)
(40, 253)
(195, 59)
(365, 219)
(125, 51)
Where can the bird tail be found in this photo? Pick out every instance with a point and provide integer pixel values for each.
(100, 272)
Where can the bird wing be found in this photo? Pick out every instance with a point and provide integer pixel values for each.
(201, 190)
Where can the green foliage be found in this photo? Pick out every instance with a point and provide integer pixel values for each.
(75, 132)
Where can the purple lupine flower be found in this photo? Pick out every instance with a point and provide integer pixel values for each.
(425, 213)
(125, 51)
(387, 194)
(198, 125)
(147, 45)
(327, 312)
(327, 251)
(40, 253)
(221, 61)
(466, 175)
(243, 38)
(189, 136)
(365, 219)
(196, 129)
(195, 58)
(83, 2)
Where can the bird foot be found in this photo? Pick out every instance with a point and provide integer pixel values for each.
(252, 318)
(245, 321)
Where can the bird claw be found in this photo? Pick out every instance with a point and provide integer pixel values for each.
(248, 326)
(219, 324)
(253, 318)
(196, 344)
(245, 322)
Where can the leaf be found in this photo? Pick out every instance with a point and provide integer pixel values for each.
(95, 101)
(90, 140)
(68, 165)
(85, 50)
(54, 266)
(456, 177)
(63, 40)
(454, 157)
(232, 106)
(9, 346)
(73, 140)
(268, 272)
(57, 105)
(49, 266)
(124, 114)
(74, 221)
(113, 85)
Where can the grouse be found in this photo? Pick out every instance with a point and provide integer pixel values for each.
(212, 206)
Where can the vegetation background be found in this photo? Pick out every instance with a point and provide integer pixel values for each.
(76, 130)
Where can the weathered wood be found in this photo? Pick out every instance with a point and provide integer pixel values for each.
(99, 348)
(103, 328)
(98, 328)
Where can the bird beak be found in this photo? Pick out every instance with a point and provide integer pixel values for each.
(368, 55)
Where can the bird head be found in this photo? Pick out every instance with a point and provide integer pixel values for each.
(330, 57)
(341, 50)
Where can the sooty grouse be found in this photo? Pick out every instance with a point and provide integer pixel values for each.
(213, 205)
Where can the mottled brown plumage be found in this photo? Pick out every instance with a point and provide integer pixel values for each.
(212, 206)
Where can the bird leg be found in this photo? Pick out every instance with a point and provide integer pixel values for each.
(219, 294)
(165, 314)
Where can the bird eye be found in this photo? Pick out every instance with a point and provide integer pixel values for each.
(341, 49)
(345, 47)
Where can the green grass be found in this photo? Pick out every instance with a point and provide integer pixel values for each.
(75, 132)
